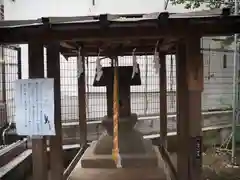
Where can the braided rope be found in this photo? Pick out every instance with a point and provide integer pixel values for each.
(115, 152)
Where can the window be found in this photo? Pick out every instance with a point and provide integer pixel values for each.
(224, 61)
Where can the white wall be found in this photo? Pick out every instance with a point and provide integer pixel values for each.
(30, 9)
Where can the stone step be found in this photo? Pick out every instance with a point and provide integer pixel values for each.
(146, 173)
(148, 158)
(117, 174)
(11, 151)
(18, 167)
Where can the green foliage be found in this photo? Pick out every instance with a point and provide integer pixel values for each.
(192, 4)
(211, 4)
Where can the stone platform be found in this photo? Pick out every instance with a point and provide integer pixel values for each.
(140, 173)
(148, 159)
(117, 174)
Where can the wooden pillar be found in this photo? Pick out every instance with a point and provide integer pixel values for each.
(82, 103)
(39, 149)
(189, 126)
(3, 96)
(163, 100)
(56, 152)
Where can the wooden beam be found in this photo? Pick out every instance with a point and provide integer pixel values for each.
(163, 117)
(3, 95)
(189, 87)
(121, 31)
(53, 71)
(39, 149)
(88, 35)
(82, 103)
(163, 101)
(127, 50)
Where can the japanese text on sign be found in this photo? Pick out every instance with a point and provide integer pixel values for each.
(34, 99)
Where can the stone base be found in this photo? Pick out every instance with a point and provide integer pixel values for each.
(117, 174)
(129, 142)
(148, 159)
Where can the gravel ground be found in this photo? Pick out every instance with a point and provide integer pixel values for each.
(216, 166)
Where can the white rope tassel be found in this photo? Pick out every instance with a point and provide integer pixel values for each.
(79, 63)
(135, 64)
(99, 71)
(156, 60)
(119, 161)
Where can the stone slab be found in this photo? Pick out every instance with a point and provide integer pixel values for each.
(117, 174)
(128, 142)
(149, 159)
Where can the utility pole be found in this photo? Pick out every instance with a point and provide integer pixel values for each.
(235, 91)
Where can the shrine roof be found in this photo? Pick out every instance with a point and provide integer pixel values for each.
(120, 32)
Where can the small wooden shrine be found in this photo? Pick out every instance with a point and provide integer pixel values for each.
(118, 35)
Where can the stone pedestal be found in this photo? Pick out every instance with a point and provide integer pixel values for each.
(134, 150)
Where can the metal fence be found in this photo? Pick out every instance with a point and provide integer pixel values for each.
(144, 98)
(10, 71)
(217, 94)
